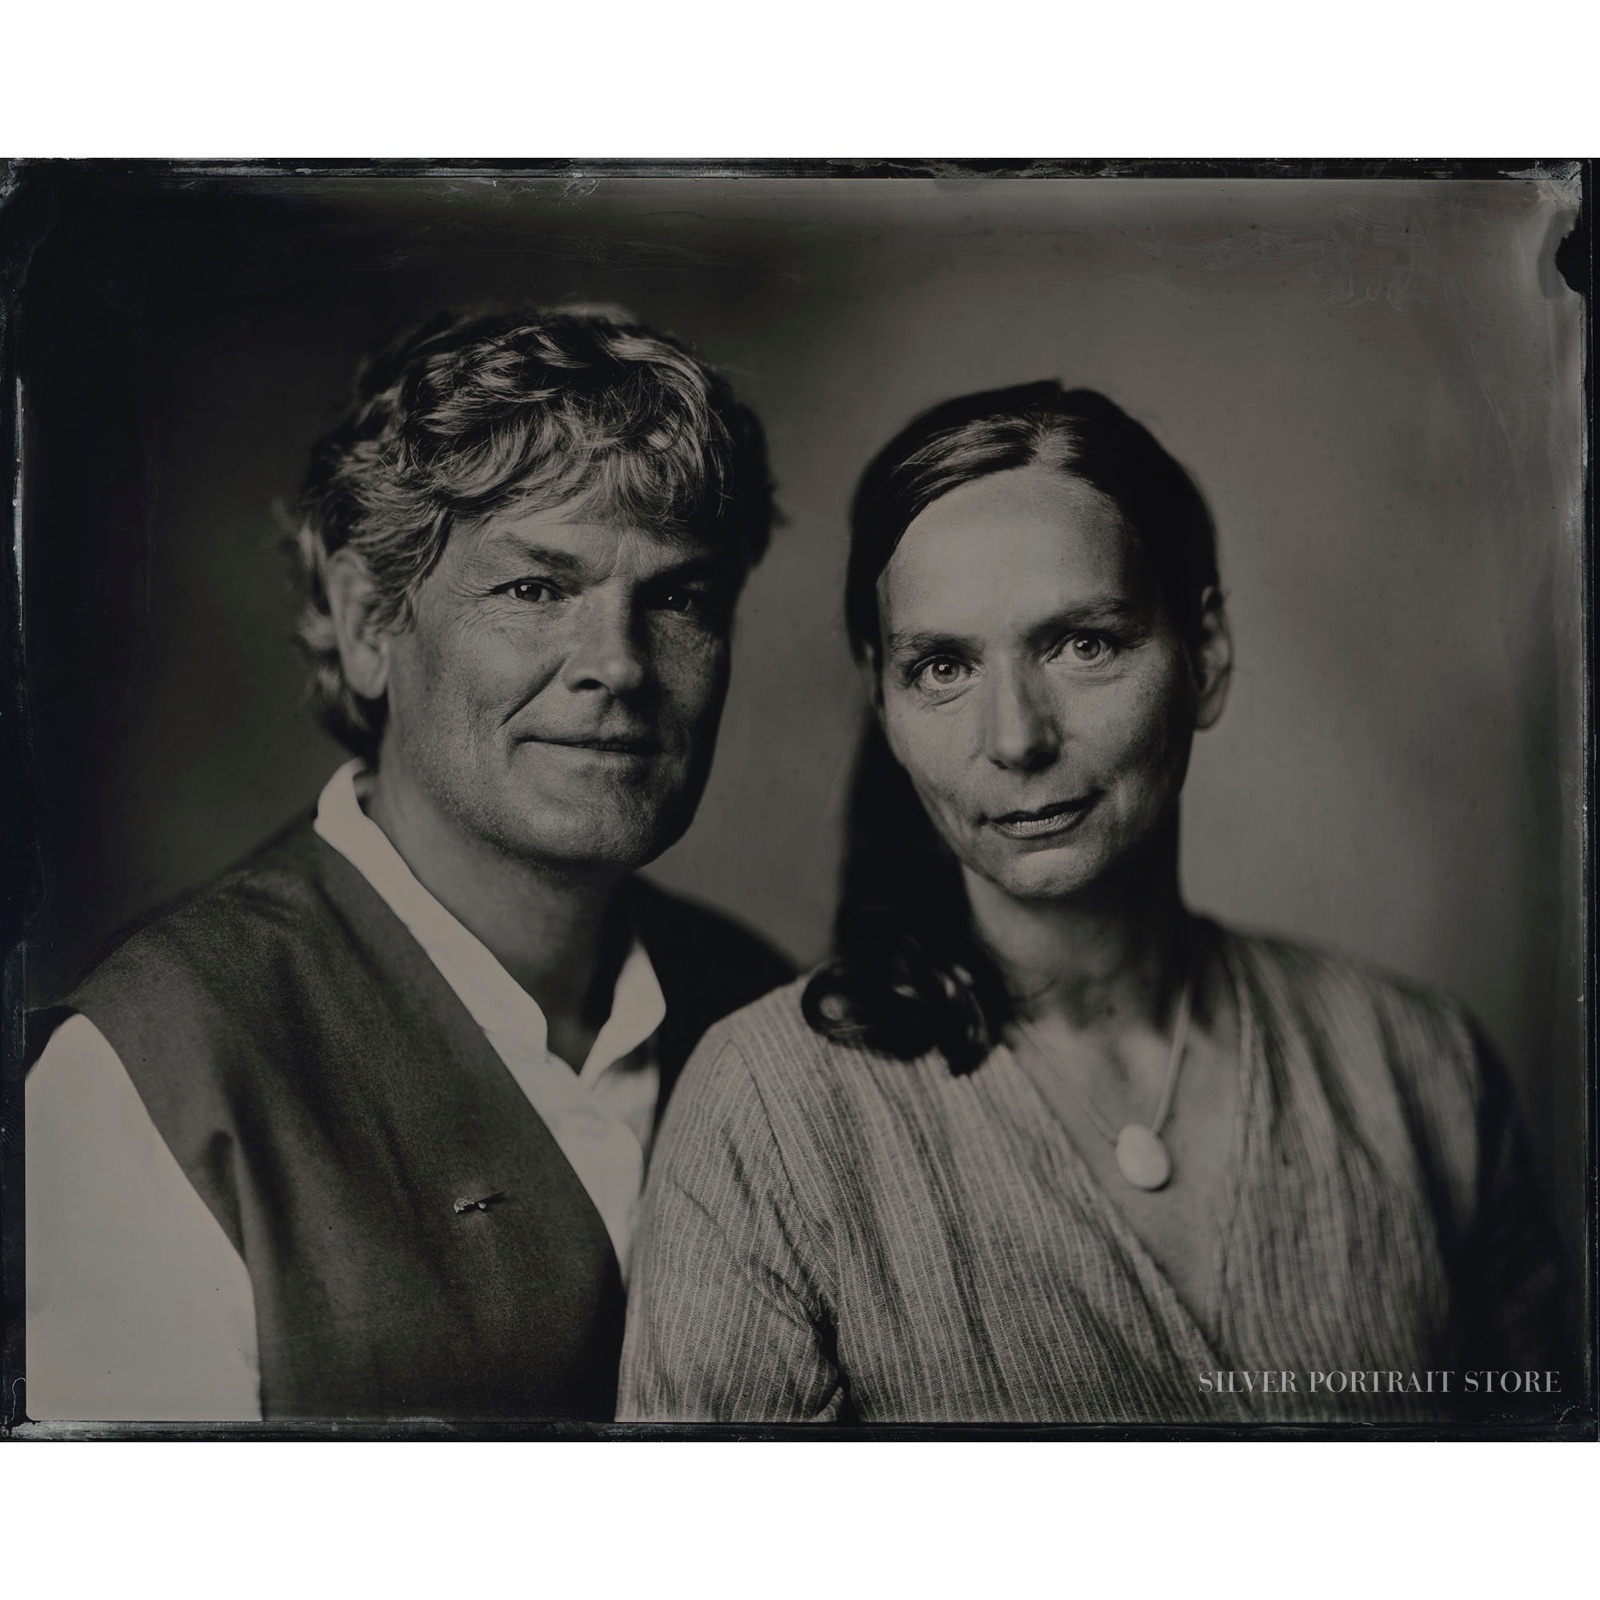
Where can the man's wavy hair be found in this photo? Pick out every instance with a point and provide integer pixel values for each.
(908, 973)
(467, 416)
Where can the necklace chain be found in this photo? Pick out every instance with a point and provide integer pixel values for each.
(1180, 1042)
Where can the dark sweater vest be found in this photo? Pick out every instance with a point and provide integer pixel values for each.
(332, 1100)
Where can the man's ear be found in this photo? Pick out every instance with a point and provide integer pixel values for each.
(363, 645)
(1213, 658)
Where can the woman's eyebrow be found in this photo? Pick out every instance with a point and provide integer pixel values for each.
(1100, 613)
(918, 641)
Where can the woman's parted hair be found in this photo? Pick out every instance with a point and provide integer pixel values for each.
(466, 416)
(908, 973)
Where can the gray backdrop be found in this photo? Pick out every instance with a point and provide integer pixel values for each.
(1377, 385)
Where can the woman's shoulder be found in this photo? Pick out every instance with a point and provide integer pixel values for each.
(1307, 987)
(1378, 1043)
(770, 1038)
(1317, 967)
(766, 1067)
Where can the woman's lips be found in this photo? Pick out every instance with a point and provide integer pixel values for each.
(1044, 822)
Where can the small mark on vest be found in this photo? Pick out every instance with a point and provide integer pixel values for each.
(482, 1203)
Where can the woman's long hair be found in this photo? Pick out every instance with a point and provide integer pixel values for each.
(908, 972)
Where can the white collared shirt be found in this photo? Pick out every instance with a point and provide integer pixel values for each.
(138, 1306)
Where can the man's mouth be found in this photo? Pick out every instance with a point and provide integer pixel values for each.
(1045, 821)
(635, 744)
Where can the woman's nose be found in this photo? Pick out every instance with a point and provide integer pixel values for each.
(1021, 732)
(606, 655)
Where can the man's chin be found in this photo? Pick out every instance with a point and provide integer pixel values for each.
(596, 844)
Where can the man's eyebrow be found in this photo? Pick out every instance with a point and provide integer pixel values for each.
(561, 563)
(512, 549)
(699, 565)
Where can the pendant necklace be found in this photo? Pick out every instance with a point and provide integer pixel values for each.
(1142, 1158)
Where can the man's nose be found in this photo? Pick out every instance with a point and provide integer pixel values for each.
(607, 653)
(1021, 732)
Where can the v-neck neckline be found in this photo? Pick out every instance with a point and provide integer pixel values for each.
(1202, 1327)
(387, 937)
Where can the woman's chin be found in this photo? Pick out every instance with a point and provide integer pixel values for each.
(1035, 874)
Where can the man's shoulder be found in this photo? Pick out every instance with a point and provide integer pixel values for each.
(230, 960)
(224, 927)
(707, 952)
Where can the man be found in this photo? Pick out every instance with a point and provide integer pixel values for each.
(360, 1131)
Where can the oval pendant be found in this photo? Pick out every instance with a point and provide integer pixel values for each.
(1142, 1158)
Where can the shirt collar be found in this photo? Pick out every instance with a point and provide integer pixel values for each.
(497, 1002)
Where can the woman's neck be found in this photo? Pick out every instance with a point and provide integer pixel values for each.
(1113, 957)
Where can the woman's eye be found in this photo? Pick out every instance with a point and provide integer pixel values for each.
(533, 590)
(939, 674)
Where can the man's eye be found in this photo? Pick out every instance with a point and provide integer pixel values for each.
(1089, 649)
(534, 590)
(684, 600)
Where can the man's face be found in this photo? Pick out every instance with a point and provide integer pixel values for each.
(557, 693)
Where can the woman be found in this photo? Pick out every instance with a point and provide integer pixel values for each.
(1039, 1144)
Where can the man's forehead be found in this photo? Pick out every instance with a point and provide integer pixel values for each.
(592, 535)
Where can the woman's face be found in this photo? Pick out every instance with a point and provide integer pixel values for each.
(1033, 685)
